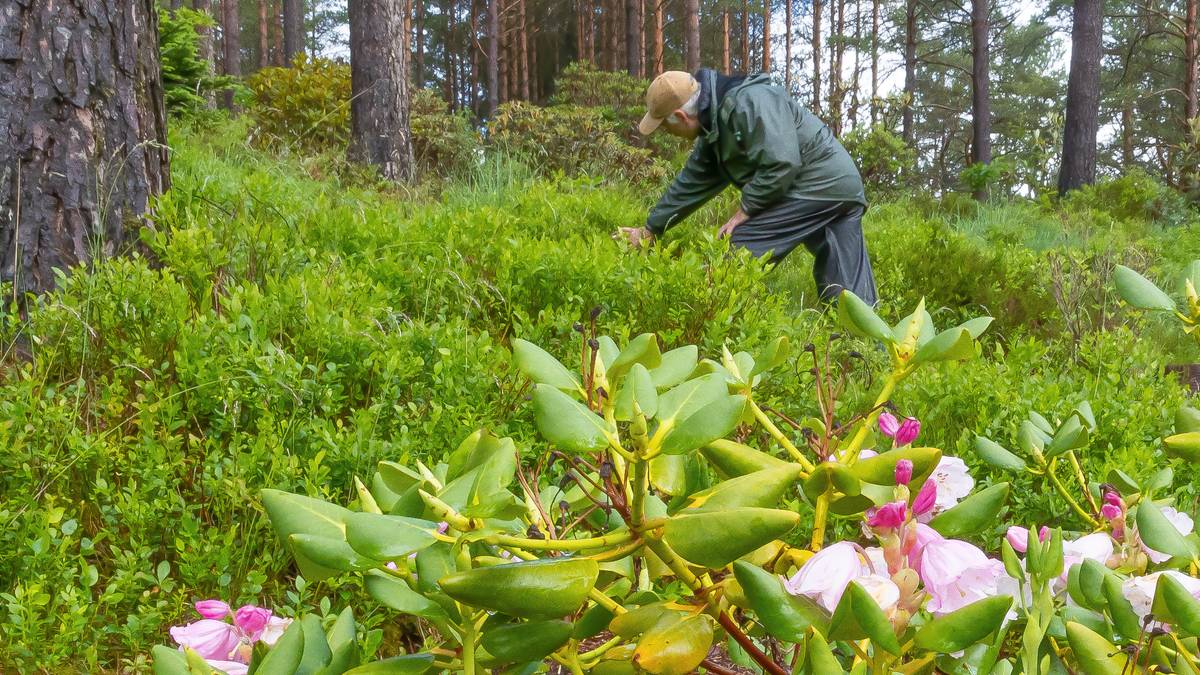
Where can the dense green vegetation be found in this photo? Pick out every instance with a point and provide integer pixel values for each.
(288, 326)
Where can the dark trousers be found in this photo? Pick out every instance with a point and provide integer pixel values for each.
(831, 231)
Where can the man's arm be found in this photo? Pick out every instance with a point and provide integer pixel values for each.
(699, 181)
(767, 123)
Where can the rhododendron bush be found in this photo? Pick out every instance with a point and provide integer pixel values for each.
(649, 538)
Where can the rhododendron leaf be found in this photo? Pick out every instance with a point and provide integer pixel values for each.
(397, 665)
(1139, 291)
(1042, 425)
(763, 489)
(1176, 606)
(785, 616)
(637, 386)
(287, 652)
(818, 657)
(1185, 446)
(1123, 481)
(608, 351)
(973, 513)
(1050, 566)
(640, 619)
(1095, 654)
(774, 355)
(1084, 410)
(567, 423)
(953, 344)
(674, 367)
(668, 474)
(1071, 435)
(734, 459)
(857, 616)
(526, 641)
(1012, 564)
(714, 421)
(963, 627)
(674, 646)
(593, 621)
(881, 469)
(714, 539)
(1119, 610)
(536, 589)
(168, 661)
(1087, 617)
(642, 349)
(858, 317)
(316, 653)
(1091, 584)
(329, 553)
(388, 537)
(292, 514)
(478, 449)
(977, 326)
(1159, 533)
(850, 506)
(396, 594)
(342, 639)
(924, 328)
(433, 563)
(682, 401)
(1030, 439)
(540, 366)
(1187, 419)
(991, 452)
(1161, 480)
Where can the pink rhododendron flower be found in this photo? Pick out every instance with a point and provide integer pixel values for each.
(274, 630)
(1139, 591)
(1182, 522)
(228, 646)
(1018, 538)
(1110, 512)
(882, 590)
(1097, 546)
(926, 499)
(955, 574)
(904, 469)
(921, 535)
(888, 516)
(252, 620)
(888, 424)
(209, 638)
(212, 609)
(825, 576)
(908, 431)
(953, 482)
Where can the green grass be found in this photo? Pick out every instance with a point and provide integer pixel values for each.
(294, 327)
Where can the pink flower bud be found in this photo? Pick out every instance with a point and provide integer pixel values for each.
(1110, 511)
(888, 516)
(1018, 538)
(442, 527)
(212, 609)
(1112, 497)
(888, 425)
(926, 498)
(252, 620)
(904, 470)
(1043, 533)
(907, 433)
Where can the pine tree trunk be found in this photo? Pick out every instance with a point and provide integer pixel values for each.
(293, 29)
(1190, 58)
(264, 44)
(633, 38)
(981, 104)
(418, 69)
(276, 33)
(725, 65)
(493, 56)
(816, 54)
(854, 83)
(1127, 133)
(835, 71)
(766, 37)
(205, 46)
(1083, 97)
(658, 36)
(407, 26)
(82, 134)
(476, 57)
(580, 41)
(523, 49)
(231, 46)
(380, 97)
(745, 64)
(874, 62)
(910, 68)
(590, 33)
(448, 50)
(691, 25)
(787, 44)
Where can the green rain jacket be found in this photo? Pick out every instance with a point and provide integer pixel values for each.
(766, 144)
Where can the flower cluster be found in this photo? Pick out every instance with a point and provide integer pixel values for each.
(225, 638)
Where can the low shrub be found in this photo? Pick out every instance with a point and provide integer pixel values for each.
(882, 157)
(444, 142)
(304, 106)
(187, 80)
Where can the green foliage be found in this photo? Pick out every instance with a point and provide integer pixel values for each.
(188, 83)
(444, 142)
(882, 157)
(305, 106)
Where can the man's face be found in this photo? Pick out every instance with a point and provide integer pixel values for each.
(682, 125)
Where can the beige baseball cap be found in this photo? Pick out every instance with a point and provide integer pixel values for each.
(667, 93)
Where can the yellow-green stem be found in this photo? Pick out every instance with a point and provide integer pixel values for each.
(639, 485)
(780, 437)
(1062, 490)
(468, 645)
(1082, 480)
(850, 452)
(600, 650)
(820, 515)
(611, 539)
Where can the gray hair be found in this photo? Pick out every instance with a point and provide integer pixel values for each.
(692, 106)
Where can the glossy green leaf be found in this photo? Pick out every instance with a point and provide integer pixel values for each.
(785, 616)
(1185, 446)
(675, 366)
(342, 639)
(1084, 410)
(829, 475)
(1095, 654)
(977, 326)
(1122, 481)
(538, 365)
(169, 661)
(682, 401)
(592, 623)
(1119, 610)
(858, 317)
(668, 474)
(316, 648)
(775, 354)
(287, 652)
(536, 589)
(396, 594)
(675, 646)
(1091, 584)
(1187, 419)
(637, 386)
(972, 514)
(643, 350)
(881, 469)
(1030, 439)
(963, 627)
(857, 616)
(527, 641)
(1158, 532)
(567, 423)
(330, 554)
(714, 539)
(388, 537)
(1070, 436)
(410, 664)
(819, 659)
(954, 344)
(292, 514)
(993, 454)
(1173, 604)
(641, 619)
(1139, 291)
(710, 423)
(762, 489)
(734, 459)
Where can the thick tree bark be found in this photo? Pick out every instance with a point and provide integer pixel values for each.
(766, 37)
(691, 26)
(82, 133)
(874, 61)
(590, 32)
(1083, 97)
(493, 56)
(981, 103)
(293, 29)
(264, 44)
(231, 46)
(816, 54)
(1190, 58)
(787, 44)
(633, 37)
(379, 104)
(658, 36)
(910, 68)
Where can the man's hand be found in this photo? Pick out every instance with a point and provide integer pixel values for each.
(638, 237)
(731, 224)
